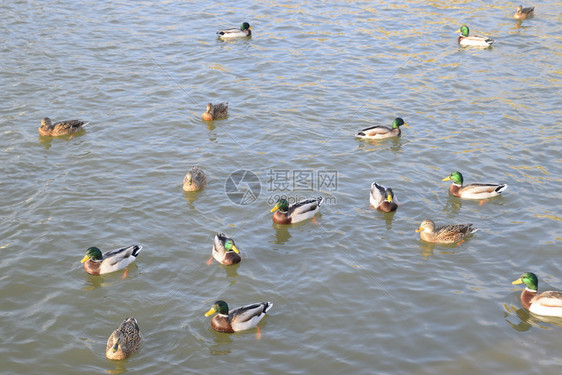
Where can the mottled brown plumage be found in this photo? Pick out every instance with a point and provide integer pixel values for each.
(215, 111)
(194, 180)
(524, 13)
(124, 341)
(68, 127)
(446, 234)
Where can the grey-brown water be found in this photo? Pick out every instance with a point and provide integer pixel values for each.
(354, 291)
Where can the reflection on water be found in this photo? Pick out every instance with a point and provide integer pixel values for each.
(393, 144)
(427, 249)
(453, 206)
(528, 320)
(223, 342)
(94, 282)
(232, 271)
(190, 197)
(387, 217)
(282, 233)
(120, 368)
(107, 280)
(46, 142)
(212, 134)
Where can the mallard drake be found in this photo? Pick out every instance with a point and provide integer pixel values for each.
(215, 111)
(303, 210)
(524, 13)
(547, 303)
(242, 32)
(472, 191)
(97, 264)
(239, 319)
(381, 132)
(225, 251)
(382, 198)
(124, 341)
(473, 40)
(446, 234)
(194, 180)
(68, 127)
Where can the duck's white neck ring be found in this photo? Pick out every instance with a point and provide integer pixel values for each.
(459, 185)
(530, 290)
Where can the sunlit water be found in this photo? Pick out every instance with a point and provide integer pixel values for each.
(355, 291)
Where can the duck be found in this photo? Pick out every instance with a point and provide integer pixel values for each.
(524, 13)
(215, 111)
(194, 180)
(96, 263)
(67, 127)
(124, 341)
(382, 132)
(472, 191)
(473, 40)
(447, 234)
(297, 212)
(546, 304)
(225, 250)
(242, 32)
(382, 198)
(239, 319)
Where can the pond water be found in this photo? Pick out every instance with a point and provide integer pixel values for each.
(354, 291)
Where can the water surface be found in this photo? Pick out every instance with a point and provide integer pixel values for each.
(355, 291)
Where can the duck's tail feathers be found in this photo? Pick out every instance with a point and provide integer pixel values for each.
(136, 250)
(268, 306)
(501, 188)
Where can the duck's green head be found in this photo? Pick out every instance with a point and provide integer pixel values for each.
(92, 253)
(463, 30)
(389, 195)
(281, 205)
(219, 307)
(230, 246)
(456, 177)
(529, 279)
(398, 122)
(245, 26)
